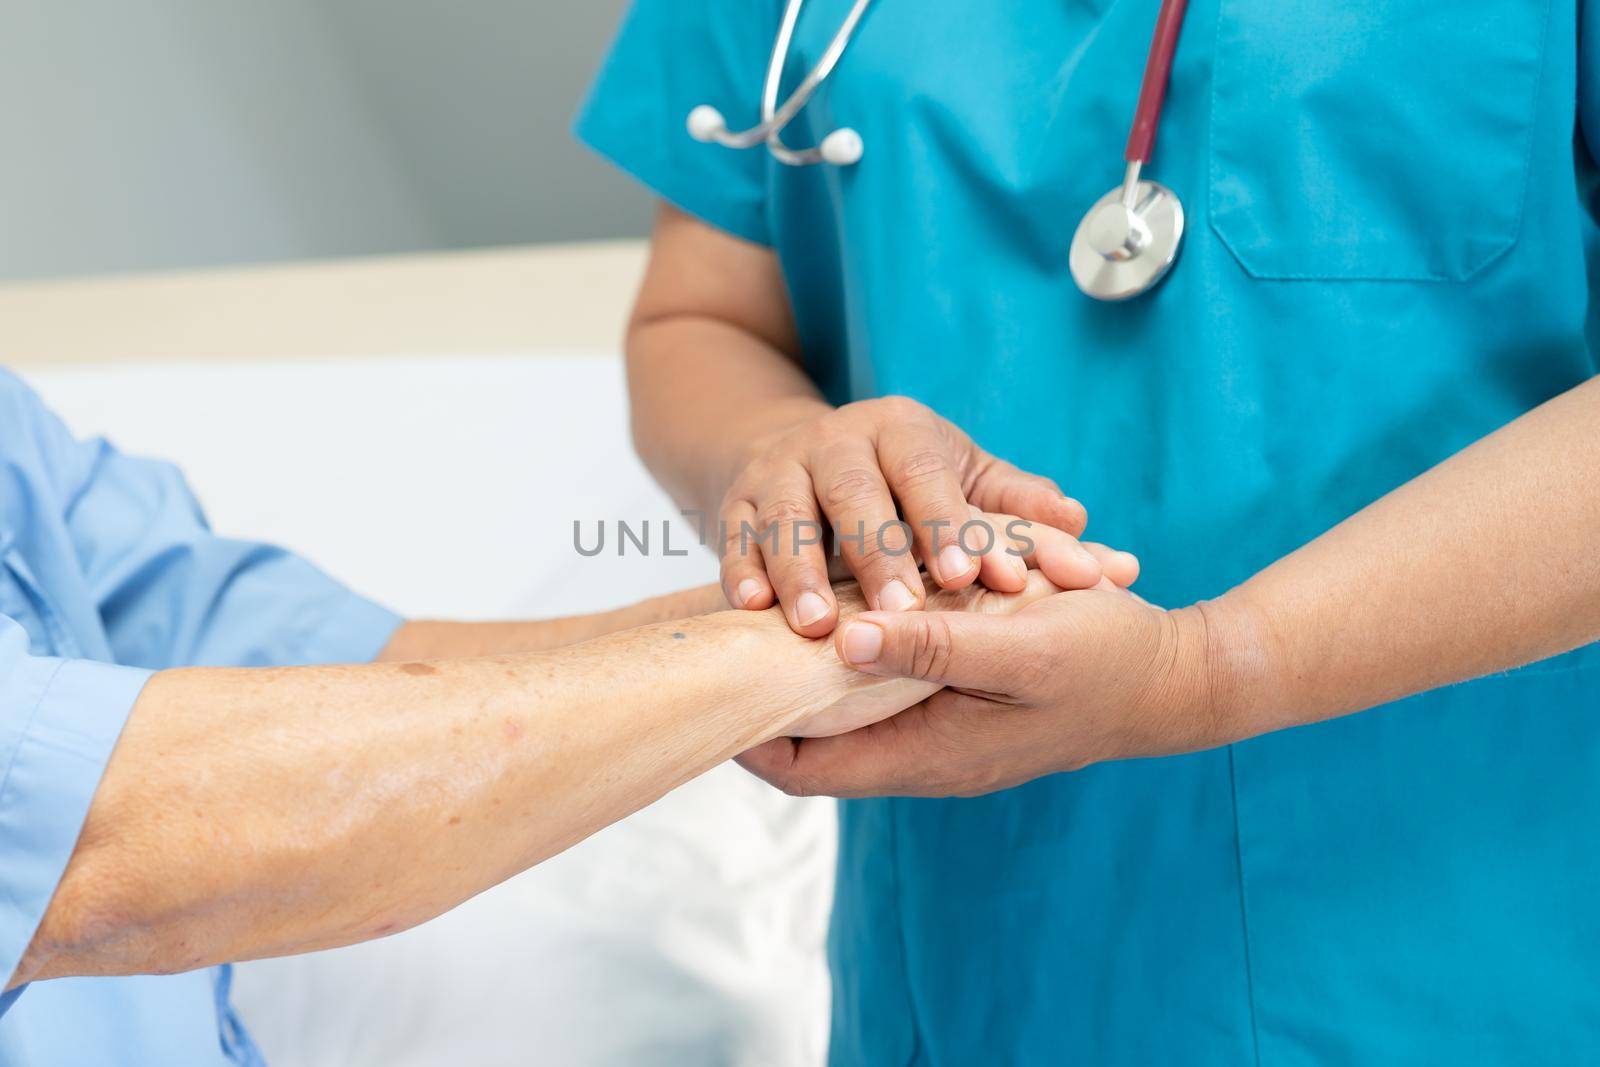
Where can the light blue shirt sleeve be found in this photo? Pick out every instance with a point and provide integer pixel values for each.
(669, 57)
(171, 593)
(59, 719)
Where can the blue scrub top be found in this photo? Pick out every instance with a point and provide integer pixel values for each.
(108, 572)
(1389, 256)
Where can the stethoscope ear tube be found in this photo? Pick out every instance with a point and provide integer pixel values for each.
(842, 147)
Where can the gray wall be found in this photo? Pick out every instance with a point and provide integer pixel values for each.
(160, 134)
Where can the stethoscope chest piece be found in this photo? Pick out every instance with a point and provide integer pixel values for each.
(1127, 243)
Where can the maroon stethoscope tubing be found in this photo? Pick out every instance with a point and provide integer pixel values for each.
(1157, 72)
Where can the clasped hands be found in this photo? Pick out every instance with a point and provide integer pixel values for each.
(1076, 672)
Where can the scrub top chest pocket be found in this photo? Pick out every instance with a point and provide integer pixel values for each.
(1374, 139)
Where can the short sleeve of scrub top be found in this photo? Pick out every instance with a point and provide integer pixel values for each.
(108, 571)
(671, 56)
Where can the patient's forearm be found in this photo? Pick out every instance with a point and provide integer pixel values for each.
(250, 813)
(422, 639)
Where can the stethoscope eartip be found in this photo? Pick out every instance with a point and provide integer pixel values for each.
(842, 147)
(706, 122)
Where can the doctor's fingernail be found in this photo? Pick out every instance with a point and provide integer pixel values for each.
(862, 642)
(896, 597)
(748, 590)
(954, 563)
(809, 608)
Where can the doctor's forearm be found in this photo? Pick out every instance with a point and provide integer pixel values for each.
(1484, 563)
(703, 397)
(249, 813)
(713, 360)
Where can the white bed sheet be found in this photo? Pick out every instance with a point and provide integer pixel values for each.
(689, 934)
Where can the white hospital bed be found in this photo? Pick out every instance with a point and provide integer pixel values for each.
(447, 485)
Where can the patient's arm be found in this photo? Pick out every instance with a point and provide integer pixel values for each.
(448, 640)
(1052, 551)
(250, 813)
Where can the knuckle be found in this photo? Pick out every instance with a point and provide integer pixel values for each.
(853, 487)
(730, 532)
(929, 651)
(739, 550)
(785, 507)
(921, 466)
(866, 548)
(872, 560)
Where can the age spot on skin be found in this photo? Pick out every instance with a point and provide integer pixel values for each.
(418, 668)
(455, 820)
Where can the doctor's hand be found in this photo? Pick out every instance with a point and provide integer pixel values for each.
(873, 699)
(1078, 678)
(860, 470)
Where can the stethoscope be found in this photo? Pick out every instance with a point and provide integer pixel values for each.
(1125, 244)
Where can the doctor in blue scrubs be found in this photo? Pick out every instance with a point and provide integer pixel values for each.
(1352, 436)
